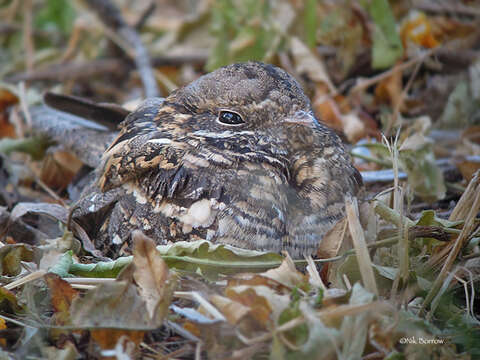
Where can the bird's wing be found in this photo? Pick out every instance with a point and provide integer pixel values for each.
(321, 179)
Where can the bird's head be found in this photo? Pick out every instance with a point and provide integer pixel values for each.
(251, 100)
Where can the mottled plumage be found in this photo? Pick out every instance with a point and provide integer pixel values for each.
(274, 181)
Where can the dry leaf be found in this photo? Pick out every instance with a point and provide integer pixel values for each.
(286, 274)
(417, 29)
(232, 310)
(389, 90)
(151, 273)
(59, 169)
(307, 63)
(467, 166)
(62, 295)
(332, 241)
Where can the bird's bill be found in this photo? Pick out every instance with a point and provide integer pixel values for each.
(301, 118)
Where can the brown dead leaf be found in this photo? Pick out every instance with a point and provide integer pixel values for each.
(114, 305)
(108, 338)
(6, 100)
(62, 295)
(306, 62)
(151, 275)
(192, 328)
(232, 310)
(332, 241)
(257, 280)
(381, 339)
(389, 90)
(6, 129)
(3, 326)
(59, 169)
(287, 274)
(265, 303)
(327, 110)
(259, 306)
(472, 134)
(467, 166)
(417, 29)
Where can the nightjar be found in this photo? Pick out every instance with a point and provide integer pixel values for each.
(236, 157)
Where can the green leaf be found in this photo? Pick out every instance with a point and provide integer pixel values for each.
(62, 268)
(387, 46)
(214, 259)
(109, 269)
(429, 218)
(200, 256)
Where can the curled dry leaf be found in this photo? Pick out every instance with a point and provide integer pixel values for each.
(59, 169)
(62, 295)
(151, 274)
(286, 274)
(467, 166)
(307, 63)
(232, 310)
(56, 211)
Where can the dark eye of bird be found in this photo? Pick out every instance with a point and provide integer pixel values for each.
(230, 118)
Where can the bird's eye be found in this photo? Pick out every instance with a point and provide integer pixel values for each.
(230, 118)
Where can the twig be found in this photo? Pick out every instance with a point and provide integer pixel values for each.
(145, 15)
(49, 191)
(167, 60)
(73, 41)
(73, 71)
(28, 35)
(401, 100)
(111, 16)
(363, 84)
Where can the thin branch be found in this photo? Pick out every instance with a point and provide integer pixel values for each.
(111, 16)
(28, 35)
(73, 71)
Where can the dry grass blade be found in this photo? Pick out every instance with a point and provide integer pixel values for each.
(30, 277)
(473, 192)
(465, 203)
(360, 245)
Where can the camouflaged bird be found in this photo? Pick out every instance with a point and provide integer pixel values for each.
(236, 157)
